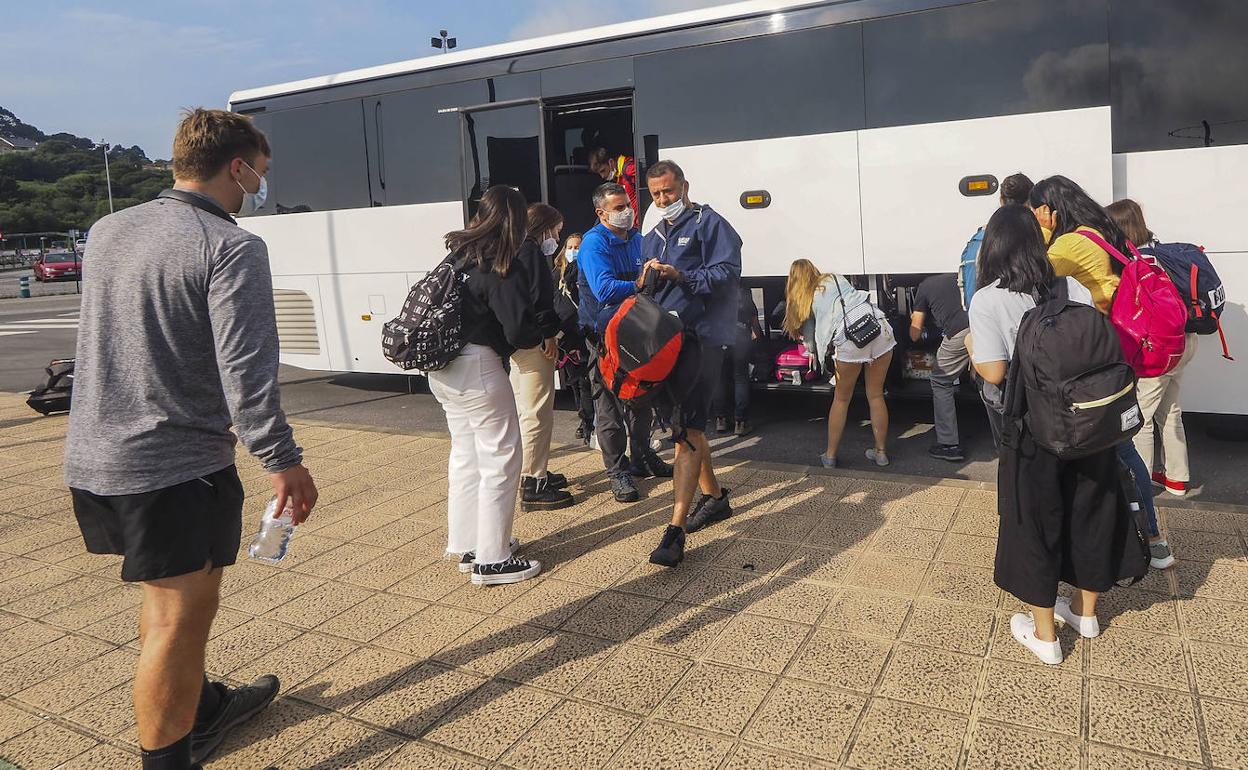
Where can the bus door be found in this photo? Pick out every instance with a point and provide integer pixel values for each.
(503, 143)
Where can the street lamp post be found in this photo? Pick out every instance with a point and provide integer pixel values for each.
(442, 41)
(108, 178)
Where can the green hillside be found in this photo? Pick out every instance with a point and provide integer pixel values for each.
(60, 184)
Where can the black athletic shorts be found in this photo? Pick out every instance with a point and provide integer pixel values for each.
(167, 532)
(695, 410)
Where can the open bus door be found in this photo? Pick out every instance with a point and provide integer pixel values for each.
(503, 143)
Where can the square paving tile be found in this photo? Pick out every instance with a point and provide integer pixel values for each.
(1221, 671)
(245, 643)
(490, 646)
(634, 679)
(931, 677)
(550, 603)
(824, 565)
(950, 626)
(491, 719)
(1031, 696)
(429, 630)
(1213, 620)
(683, 629)
(24, 636)
(573, 735)
(763, 644)
(845, 532)
(1139, 656)
(559, 661)
(750, 757)
(372, 617)
(1141, 610)
(1158, 721)
(1227, 727)
(45, 746)
(110, 713)
(280, 728)
(418, 756)
(418, 698)
(800, 601)
(906, 541)
(612, 615)
(996, 747)
(318, 606)
(840, 659)
(92, 678)
(296, 660)
(725, 589)
(355, 679)
(14, 722)
(881, 572)
(716, 698)
(807, 719)
(49, 660)
(488, 600)
(867, 612)
(1215, 581)
(102, 757)
(903, 735)
(758, 556)
(656, 745)
(1101, 757)
(961, 583)
(974, 550)
(344, 745)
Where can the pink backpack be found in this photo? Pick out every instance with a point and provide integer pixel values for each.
(1147, 311)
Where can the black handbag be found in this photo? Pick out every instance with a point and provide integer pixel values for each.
(863, 331)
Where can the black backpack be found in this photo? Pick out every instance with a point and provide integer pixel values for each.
(428, 332)
(54, 395)
(1068, 382)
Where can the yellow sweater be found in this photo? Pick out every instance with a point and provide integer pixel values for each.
(1075, 256)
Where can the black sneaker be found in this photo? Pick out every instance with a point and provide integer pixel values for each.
(951, 452)
(513, 570)
(238, 704)
(650, 466)
(708, 511)
(556, 480)
(721, 425)
(624, 489)
(743, 428)
(537, 495)
(468, 557)
(671, 550)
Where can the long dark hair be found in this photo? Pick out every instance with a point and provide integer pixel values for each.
(1073, 208)
(1013, 255)
(495, 234)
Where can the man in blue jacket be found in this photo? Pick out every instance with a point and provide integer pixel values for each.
(698, 255)
(610, 272)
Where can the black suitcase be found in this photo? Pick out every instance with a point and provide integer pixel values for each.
(54, 395)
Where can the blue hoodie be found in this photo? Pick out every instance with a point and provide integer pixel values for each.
(608, 267)
(707, 252)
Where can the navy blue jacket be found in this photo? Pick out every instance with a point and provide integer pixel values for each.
(707, 252)
(608, 267)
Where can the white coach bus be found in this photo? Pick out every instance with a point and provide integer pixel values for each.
(865, 135)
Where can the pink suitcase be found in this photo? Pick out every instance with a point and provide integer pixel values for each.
(793, 365)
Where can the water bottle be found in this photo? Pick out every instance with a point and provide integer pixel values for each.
(274, 535)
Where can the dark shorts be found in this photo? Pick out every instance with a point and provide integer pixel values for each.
(695, 410)
(167, 532)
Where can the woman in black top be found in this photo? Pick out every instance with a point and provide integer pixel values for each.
(475, 392)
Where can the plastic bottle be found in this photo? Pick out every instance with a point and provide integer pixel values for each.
(274, 536)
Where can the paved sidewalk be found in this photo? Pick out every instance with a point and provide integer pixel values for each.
(835, 621)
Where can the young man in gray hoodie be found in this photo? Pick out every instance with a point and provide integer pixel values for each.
(177, 342)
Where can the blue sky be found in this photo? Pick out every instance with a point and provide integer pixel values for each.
(121, 70)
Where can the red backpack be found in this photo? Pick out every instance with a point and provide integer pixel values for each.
(1147, 311)
(641, 345)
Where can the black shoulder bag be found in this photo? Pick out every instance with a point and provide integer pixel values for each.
(863, 331)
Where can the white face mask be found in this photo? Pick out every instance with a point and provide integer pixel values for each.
(571, 254)
(621, 220)
(550, 246)
(670, 212)
(252, 201)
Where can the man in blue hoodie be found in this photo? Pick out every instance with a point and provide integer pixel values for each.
(698, 256)
(610, 272)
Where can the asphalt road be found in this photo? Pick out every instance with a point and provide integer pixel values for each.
(789, 427)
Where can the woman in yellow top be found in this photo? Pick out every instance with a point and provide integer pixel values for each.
(1063, 209)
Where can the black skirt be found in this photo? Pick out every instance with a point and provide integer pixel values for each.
(1063, 520)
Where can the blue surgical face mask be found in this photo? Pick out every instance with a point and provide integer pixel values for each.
(252, 201)
(571, 254)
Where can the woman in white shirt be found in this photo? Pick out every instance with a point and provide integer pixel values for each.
(819, 309)
(1057, 517)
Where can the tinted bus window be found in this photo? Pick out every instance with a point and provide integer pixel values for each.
(319, 158)
(997, 58)
(420, 146)
(799, 83)
(1175, 66)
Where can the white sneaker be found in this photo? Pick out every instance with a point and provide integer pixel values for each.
(1024, 630)
(879, 458)
(1087, 626)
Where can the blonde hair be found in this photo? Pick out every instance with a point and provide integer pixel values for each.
(561, 259)
(207, 140)
(799, 294)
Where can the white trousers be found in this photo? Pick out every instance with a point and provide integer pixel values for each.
(484, 467)
(533, 381)
(1159, 403)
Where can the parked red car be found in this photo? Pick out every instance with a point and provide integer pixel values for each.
(62, 266)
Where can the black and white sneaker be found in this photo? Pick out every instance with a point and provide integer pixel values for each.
(513, 570)
(709, 510)
(238, 704)
(537, 494)
(466, 560)
(950, 452)
(650, 466)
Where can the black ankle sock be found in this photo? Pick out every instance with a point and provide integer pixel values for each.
(209, 702)
(174, 757)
